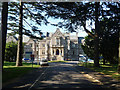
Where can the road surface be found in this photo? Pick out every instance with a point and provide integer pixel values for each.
(56, 75)
(64, 75)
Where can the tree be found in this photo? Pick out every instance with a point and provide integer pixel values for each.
(48, 52)
(4, 28)
(11, 51)
(114, 14)
(108, 44)
(75, 15)
(119, 55)
(109, 40)
(19, 48)
(108, 33)
(23, 15)
(31, 12)
(88, 47)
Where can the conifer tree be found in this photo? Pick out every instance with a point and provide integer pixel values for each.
(4, 28)
(17, 26)
(19, 48)
(76, 14)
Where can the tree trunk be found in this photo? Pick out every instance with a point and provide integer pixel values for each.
(4, 28)
(96, 40)
(119, 55)
(19, 48)
(96, 51)
(48, 53)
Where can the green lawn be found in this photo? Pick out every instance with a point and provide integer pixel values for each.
(105, 69)
(11, 71)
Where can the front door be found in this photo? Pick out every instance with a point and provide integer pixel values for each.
(57, 52)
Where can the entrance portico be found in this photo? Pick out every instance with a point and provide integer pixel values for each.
(57, 52)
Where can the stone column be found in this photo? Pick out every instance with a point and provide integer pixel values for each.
(51, 52)
(59, 52)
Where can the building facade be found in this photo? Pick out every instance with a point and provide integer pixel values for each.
(56, 46)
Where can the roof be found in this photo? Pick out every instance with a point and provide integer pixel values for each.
(73, 37)
(25, 39)
(11, 38)
(15, 39)
(57, 33)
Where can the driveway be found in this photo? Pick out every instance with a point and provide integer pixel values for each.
(56, 75)
(64, 75)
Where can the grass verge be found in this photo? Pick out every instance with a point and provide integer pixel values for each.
(105, 69)
(10, 71)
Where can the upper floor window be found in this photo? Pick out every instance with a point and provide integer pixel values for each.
(57, 41)
(31, 44)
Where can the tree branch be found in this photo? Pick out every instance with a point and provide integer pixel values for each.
(87, 31)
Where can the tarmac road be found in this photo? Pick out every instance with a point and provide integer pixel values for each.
(56, 75)
(64, 75)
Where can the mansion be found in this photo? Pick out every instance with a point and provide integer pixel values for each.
(56, 46)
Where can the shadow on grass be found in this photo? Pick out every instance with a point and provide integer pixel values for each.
(106, 69)
(13, 72)
(10, 71)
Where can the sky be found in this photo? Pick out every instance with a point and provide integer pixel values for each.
(51, 28)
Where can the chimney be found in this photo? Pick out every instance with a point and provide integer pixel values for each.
(41, 34)
(47, 35)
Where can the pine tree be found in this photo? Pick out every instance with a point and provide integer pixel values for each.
(31, 12)
(4, 28)
(119, 55)
(19, 48)
(24, 14)
(76, 14)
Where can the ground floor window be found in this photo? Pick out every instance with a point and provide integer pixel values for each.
(43, 52)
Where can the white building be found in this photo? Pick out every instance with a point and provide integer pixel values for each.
(56, 46)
